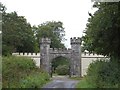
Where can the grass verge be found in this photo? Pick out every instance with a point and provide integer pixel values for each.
(84, 84)
(75, 78)
(21, 72)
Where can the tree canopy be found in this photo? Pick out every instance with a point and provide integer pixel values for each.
(17, 34)
(102, 34)
(52, 29)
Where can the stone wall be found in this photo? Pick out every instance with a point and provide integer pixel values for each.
(34, 56)
(86, 59)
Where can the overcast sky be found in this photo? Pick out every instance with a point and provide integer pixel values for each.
(73, 13)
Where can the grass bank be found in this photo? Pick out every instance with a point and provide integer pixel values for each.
(21, 72)
(75, 78)
(84, 84)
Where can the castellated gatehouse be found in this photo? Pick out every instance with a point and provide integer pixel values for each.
(79, 61)
(47, 54)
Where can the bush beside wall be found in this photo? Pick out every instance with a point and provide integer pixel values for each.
(62, 70)
(102, 74)
(21, 72)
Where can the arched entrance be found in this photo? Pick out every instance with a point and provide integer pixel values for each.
(47, 54)
(60, 66)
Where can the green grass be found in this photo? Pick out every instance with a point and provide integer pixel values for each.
(36, 80)
(75, 78)
(0, 85)
(84, 84)
(21, 72)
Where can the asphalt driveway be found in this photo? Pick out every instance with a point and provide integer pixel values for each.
(61, 82)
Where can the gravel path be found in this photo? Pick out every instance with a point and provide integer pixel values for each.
(61, 82)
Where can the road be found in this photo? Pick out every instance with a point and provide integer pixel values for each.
(61, 82)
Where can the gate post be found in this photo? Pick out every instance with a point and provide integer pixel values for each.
(76, 56)
(44, 54)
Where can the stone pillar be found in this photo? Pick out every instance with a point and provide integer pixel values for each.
(76, 56)
(44, 54)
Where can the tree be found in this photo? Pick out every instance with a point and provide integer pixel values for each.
(17, 34)
(102, 34)
(54, 30)
(59, 61)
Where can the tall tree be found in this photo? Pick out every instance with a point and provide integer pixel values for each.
(102, 34)
(54, 30)
(17, 34)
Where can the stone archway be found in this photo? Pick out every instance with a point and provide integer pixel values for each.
(60, 61)
(73, 54)
(54, 53)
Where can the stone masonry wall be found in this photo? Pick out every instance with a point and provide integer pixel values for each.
(86, 59)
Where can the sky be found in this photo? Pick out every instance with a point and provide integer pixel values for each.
(73, 13)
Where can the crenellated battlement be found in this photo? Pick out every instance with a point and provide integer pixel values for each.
(26, 54)
(60, 50)
(75, 40)
(78, 61)
(45, 40)
(91, 55)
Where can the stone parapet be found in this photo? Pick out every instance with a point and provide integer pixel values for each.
(26, 54)
(60, 50)
(75, 40)
(91, 55)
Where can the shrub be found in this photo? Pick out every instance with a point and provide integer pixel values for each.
(103, 74)
(35, 80)
(84, 84)
(15, 68)
(6, 50)
(59, 61)
(62, 70)
(18, 69)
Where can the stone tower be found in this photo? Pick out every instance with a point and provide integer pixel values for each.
(44, 54)
(47, 54)
(76, 56)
